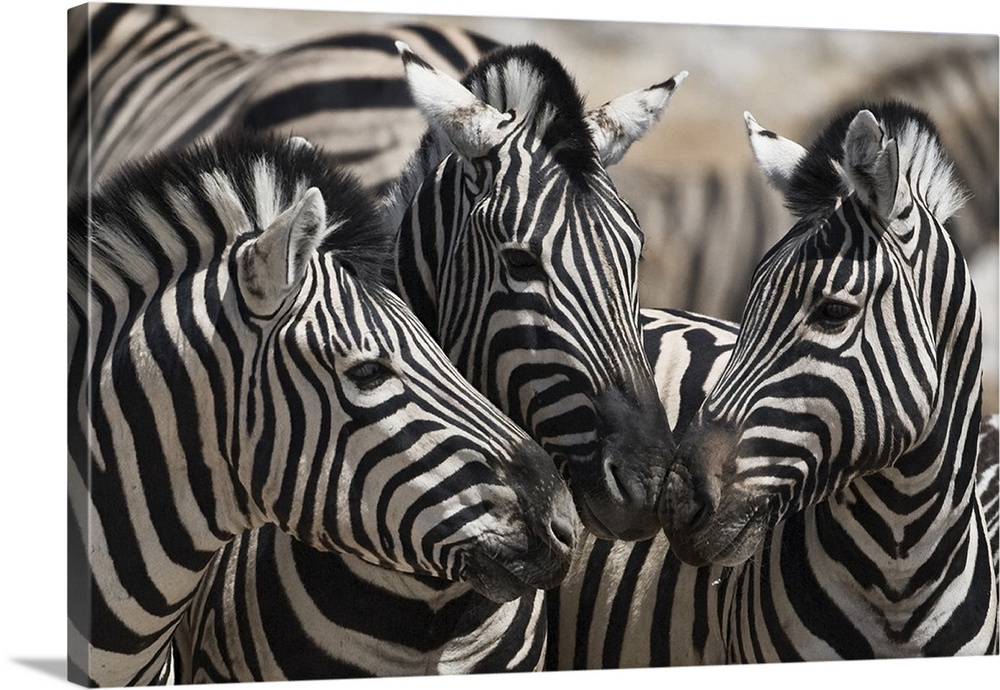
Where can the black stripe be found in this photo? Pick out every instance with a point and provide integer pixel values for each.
(351, 94)
(442, 45)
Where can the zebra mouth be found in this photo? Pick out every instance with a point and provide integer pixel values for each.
(503, 577)
(727, 542)
(606, 517)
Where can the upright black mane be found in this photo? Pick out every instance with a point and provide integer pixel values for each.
(553, 91)
(359, 240)
(817, 182)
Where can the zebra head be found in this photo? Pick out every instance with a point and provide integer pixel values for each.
(288, 367)
(517, 251)
(858, 355)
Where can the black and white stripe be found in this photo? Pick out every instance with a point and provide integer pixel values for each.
(234, 361)
(144, 77)
(838, 449)
(515, 251)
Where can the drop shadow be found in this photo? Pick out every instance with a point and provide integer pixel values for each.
(55, 667)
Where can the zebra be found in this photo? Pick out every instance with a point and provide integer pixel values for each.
(839, 445)
(144, 77)
(236, 359)
(511, 336)
(802, 558)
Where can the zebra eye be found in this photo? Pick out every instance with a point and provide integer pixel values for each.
(522, 265)
(369, 375)
(833, 313)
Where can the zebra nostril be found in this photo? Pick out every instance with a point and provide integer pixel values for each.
(615, 483)
(563, 531)
(698, 518)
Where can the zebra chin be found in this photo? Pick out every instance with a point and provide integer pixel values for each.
(503, 578)
(729, 545)
(702, 530)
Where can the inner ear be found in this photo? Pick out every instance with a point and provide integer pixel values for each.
(272, 265)
(871, 165)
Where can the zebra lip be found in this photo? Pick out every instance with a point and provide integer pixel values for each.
(589, 518)
(730, 548)
(635, 530)
(504, 579)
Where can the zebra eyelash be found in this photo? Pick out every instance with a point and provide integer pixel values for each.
(369, 375)
(523, 265)
(831, 314)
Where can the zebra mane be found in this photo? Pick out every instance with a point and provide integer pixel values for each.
(235, 184)
(818, 181)
(531, 81)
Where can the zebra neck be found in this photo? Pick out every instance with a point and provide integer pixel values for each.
(315, 569)
(438, 211)
(908, 541)
(417, 172)
(423, 614)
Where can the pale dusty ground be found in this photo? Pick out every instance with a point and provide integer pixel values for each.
(783, 76)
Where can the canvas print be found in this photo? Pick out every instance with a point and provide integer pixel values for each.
(418, 345)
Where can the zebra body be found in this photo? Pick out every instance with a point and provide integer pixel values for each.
(514, 138)
(988, 482)
(235, 360)
(833, 464)
(143, 78)
(303, 614)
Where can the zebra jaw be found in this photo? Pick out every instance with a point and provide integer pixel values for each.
(502, 578)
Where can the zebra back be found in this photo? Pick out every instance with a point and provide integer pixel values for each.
(143, 78)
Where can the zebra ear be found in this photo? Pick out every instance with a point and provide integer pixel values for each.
(622, 121)
(272, 265)
(472, 126)
(776, 156)
(871, 165)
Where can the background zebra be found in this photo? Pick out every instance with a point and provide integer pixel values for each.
(235, 360)
(145, 77)
(791, 473)
(501, 337)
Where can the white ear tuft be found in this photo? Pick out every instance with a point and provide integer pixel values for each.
(617, 124)
(871, 164)
(776, 156)
(297, 142)
(472, 126)
(271, 266)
